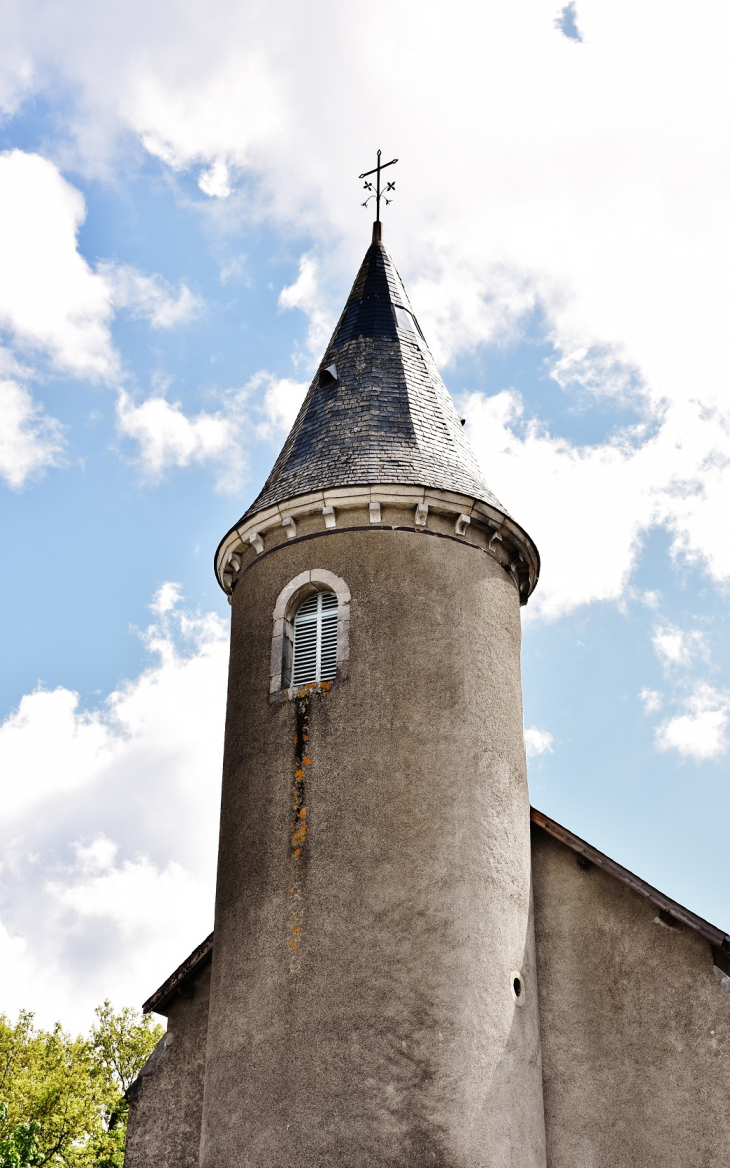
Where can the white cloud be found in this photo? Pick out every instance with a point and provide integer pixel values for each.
(701, 732)
(110, 825)
(135, 897)
(54, 305)
(16, 83)
(236, 268)
(674, 646)
(537, 742)
(166, 597)
(50, 299)
(52, 744)
(215, 181)
(149, 297)
(651, 700)
(595, 503)
(30, 440)
(280, 404)
(463, 305)
(650, 598)
(599, 370)
(585, 517)
(210, 119)
(306, 294)
(167, 437)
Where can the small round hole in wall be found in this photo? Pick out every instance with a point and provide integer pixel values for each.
(517, 985)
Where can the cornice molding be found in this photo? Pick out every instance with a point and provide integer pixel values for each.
(467, 520)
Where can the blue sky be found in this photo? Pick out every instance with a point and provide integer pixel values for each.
(179, 226)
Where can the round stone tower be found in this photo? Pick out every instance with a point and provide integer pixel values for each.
(374, 998)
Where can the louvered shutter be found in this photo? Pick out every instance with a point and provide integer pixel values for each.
(328, 637)
(315, 640)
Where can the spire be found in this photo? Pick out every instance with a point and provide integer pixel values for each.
(377, 410)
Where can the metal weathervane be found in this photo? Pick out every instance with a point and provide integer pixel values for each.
(377, 194)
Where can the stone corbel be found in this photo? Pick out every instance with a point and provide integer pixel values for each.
(290, 527)
(421, 514)
(461, 524)
(496, 537)
(374, 508)
(256, 542)
(232, 568)
(330, 519)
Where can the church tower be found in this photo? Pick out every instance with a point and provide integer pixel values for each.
(373, 996)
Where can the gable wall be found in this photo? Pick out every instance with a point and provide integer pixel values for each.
(166, 1100)
(635, 1028)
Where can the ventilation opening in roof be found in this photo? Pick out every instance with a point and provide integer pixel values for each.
(406, 320)
(315, 640)
(328, 376)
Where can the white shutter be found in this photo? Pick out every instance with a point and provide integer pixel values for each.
(328, 637)
(315, 640)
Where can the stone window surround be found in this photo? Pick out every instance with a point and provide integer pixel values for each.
(288, 601)
(473, 522)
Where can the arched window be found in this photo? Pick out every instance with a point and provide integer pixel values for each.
(315, 639)
(313, 611)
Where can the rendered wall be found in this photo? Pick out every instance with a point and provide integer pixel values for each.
(635, 1028)
(166, 1100)
(377, 1026)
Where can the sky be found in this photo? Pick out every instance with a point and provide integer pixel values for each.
(180, 224)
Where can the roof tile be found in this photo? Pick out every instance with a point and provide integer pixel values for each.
(388, 417)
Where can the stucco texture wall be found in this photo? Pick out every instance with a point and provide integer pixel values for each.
(166, 1101)
(361, 1004)
(635, 1028)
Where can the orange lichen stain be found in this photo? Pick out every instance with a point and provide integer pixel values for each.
(325, 686)
(298, 829)
(295, 958)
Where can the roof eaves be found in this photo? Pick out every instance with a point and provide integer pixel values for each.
(710, 932)
(191, 965)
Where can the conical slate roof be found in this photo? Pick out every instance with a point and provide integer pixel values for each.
(377, 410)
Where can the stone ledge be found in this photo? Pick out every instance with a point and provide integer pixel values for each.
(469, 520)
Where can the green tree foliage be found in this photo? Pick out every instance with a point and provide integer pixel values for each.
(62, 1099)
(18, 1143)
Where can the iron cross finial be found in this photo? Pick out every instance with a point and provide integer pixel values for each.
(377, 193)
